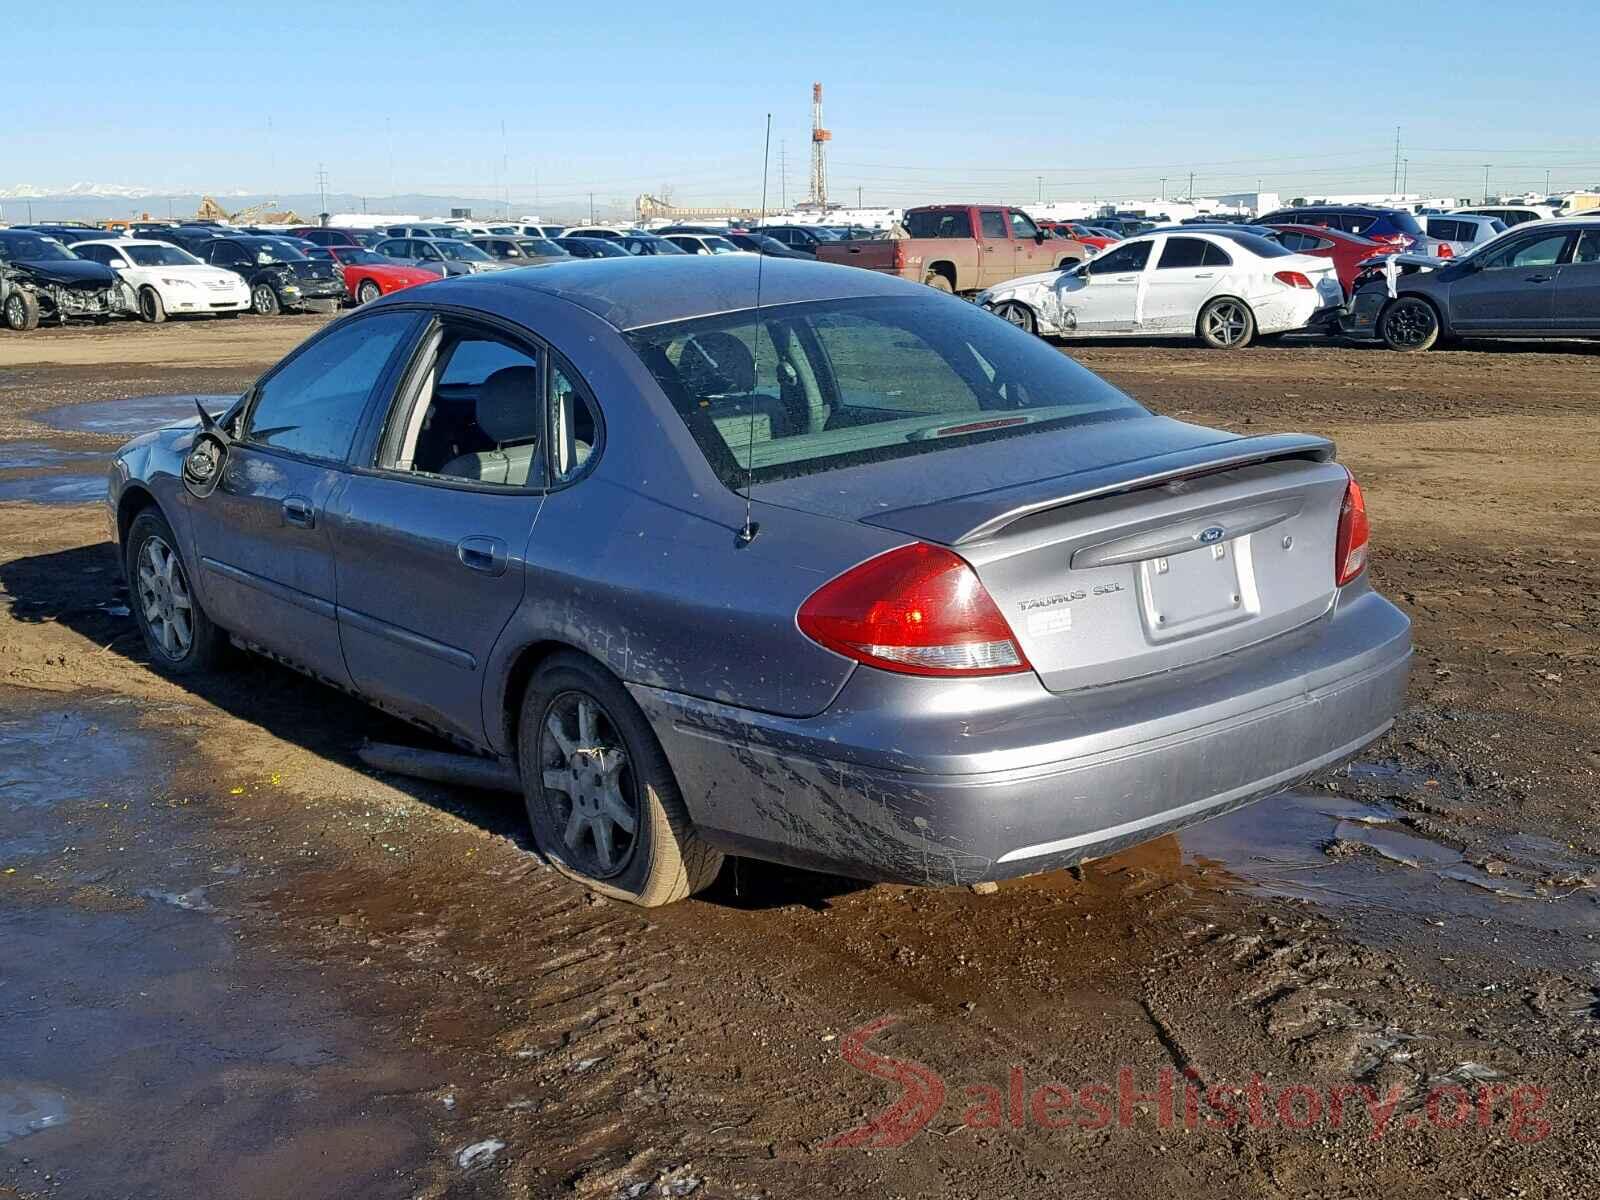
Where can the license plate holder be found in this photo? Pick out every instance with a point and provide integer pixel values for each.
(1202, 589)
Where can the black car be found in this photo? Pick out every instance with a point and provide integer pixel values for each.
(68, 235)
(760, 243)
(280, 275)
(1539, 281)
(803, 238)
(586, 247)
(40, 279)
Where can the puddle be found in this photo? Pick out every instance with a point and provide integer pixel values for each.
(54, 489)
(147, 1046)
(34, 456)
(1356, 858)
(132, 416)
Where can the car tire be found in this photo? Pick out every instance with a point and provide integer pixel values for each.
(1019, 315)
(1409, 325)
(1226, 323)
(264, 300)
(159, 593)
(939, 283)
(589, 760)
(367, 292)
(151, 310)
(21, 311)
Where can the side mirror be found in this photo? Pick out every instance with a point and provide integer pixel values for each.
(1038, 237)
(202, 466)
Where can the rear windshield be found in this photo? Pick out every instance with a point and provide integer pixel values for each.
(832, 384)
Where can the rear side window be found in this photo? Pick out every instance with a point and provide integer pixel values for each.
(314, 403)
(927, 224)
(1181, 252)
(839, 383)
(1216, 256)
(993, 223)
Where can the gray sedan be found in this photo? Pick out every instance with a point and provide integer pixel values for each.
(867, 580)
(1541, 279)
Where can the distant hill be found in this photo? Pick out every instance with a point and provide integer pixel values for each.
(99, 202)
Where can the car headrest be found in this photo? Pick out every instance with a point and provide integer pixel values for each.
(717, 364)
(508, 404)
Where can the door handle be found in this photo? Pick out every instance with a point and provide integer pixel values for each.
(484, 554)
(1206, 275)
(1126, 278)
(297, 510)
(1538, 279)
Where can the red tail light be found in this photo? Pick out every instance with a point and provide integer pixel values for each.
(1445, 251)
(918, 610)
(1292, 279)
(900, 254)
(1350, 549)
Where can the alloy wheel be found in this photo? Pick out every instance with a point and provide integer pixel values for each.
(164, 598)
(589, 784)
(1410, 324)
(1227, 323)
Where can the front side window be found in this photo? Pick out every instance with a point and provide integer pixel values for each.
(1123, 259)
(837, 383)
(314, 403)
(475, 411)
(1022, 225)
(992, 222)
(161, 256)
(1545, 251)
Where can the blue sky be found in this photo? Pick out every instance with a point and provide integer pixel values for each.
(927, 100)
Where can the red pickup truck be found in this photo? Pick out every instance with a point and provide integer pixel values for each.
(960, 248)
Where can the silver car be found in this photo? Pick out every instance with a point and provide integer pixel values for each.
(869, 581)
(1464, 232)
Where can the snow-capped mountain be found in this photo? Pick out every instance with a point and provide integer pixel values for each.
(109, 191)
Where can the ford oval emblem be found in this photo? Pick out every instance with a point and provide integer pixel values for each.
(1207, 536)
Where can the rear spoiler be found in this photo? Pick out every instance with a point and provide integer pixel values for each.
(967, 519)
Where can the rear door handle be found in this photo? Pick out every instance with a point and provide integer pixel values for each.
(1538, 279)
(1206, 275)
(297, 510)
(485, 554)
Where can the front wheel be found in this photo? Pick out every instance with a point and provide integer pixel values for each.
(151, 309)
(367, 292)
(264, 301)
(21, 311)
(177, 633)
(1019, 315)
(1409, 325)
(1227, 324)
(601, 797)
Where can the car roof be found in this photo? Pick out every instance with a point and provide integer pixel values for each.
(632, 292)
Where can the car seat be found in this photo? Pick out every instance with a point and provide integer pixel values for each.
(508, 413)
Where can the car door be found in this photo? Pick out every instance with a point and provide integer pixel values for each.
(1514, 288)
(997, 261)
(1577, 305)
(1103, 296)
(1031, 256)
(1186, 272)
(430, 536)
(230, 256)
(261, 537)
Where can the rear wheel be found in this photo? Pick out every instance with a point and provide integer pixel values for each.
(1227, 324)
(151, 309)
(179, 636)
(939, 283)
(1019, 315)
(601, 797)
(264, 300)
(1409, 325)
(367, 292)
(21, 312)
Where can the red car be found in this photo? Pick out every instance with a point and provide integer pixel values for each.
(1347, 250)
(368, 275)
(1078, 233)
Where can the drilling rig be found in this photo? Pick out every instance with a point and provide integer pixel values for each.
(820, 138)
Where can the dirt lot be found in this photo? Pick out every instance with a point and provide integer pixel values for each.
(233, 962)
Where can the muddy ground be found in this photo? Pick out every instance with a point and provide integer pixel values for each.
(234, 962)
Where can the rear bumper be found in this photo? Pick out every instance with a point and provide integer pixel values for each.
(943, 791)
(1360, 316)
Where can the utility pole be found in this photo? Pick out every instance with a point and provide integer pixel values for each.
(1163, 189)
(1040, 179)
(1396, 185)
(1191, 186)
(1405, 174)
(783, 173)
(591, 208)
(1486, 167)
(322, 190)
(1547, 183)
(858, 195)
(505, 180)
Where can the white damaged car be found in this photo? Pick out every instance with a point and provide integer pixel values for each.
(1223, 287)
(167, 280)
